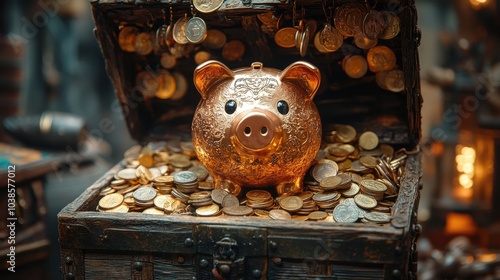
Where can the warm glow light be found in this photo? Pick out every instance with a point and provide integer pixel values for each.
(487, 257)
(478, 3)
(465, 181)
(460, 159)
(468, 169)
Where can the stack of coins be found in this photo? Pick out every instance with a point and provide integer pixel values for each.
(259, 199)
(186, 181)
(353, 175)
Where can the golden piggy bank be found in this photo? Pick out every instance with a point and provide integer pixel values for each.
(257, 126)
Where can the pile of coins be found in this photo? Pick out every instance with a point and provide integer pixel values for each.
(354, 178)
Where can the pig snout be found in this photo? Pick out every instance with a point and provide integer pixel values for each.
(257, 131)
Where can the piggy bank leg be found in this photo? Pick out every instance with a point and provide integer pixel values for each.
(228, 186)
(290, 188)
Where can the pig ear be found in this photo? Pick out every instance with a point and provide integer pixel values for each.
(209, 73)
(303, 75)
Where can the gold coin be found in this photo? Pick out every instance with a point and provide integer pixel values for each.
(355, 66)
(127, 38)
(215, 40)
(180, 161)
(345, 133)
(181, 86)
(110, 201)
(167, 86)
(168, 61)
(207, 6)
(200, 195)
(373, 24)
(318, 45)
(330, 183)
(373, 186)
(261, 213)
(369, 161)
(278, 214)
(364, 43)
(127, 174)
(317, 215)
(368, 140)
(238, 210)
(392, 80)
(233, 50)
(201, 57)
(344, 165)
(300, 217)
(365, 201)
(154, 211)
(159, 201)
(291, 203)
(377, 217)
(119, 209)
(179, 31)
(351, 191)
(144, 43)
(380, 58)
(285, 37)
(143, 173)
(258, 195)
(349, 18)
(330, 38)
(337, 151)
(209, 210)
(392, 25)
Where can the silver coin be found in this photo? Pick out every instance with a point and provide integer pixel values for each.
(144, 194)
(345, 213)
(185, 177)
(230, 200)
(196, 30)
(377, 217)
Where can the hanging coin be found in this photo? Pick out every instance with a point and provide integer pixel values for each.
(373, 24)
(355, 66)
(147, 83)
(330, 38)
(349, 18)
(298, 34)
(392, 80)
(304, 42)
(201, 57)
(161, 42)
(166, 85)
(312, 26)
(144, 43)
(196, 30)
(364, 43)
(380, 58)
(127, 38)
(392, 23)
(179, 32)
(215, 40)
(207, 6)
(318, 45)
(181, 86)
(168, 61)
(285, 37)
(233, 50)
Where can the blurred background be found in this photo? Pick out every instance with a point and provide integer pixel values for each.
(50, 61)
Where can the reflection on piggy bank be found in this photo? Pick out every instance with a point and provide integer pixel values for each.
(257, 126)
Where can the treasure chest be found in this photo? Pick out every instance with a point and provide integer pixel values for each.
(369, 104)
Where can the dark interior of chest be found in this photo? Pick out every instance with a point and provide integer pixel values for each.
(394, 116)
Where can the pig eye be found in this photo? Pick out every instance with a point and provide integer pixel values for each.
(230, 107)
(282, 107)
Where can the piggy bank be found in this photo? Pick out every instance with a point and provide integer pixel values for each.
(257, 126)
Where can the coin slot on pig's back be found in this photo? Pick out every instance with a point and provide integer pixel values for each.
(394, 116)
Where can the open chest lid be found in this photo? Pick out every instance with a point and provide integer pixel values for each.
(253, 25)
